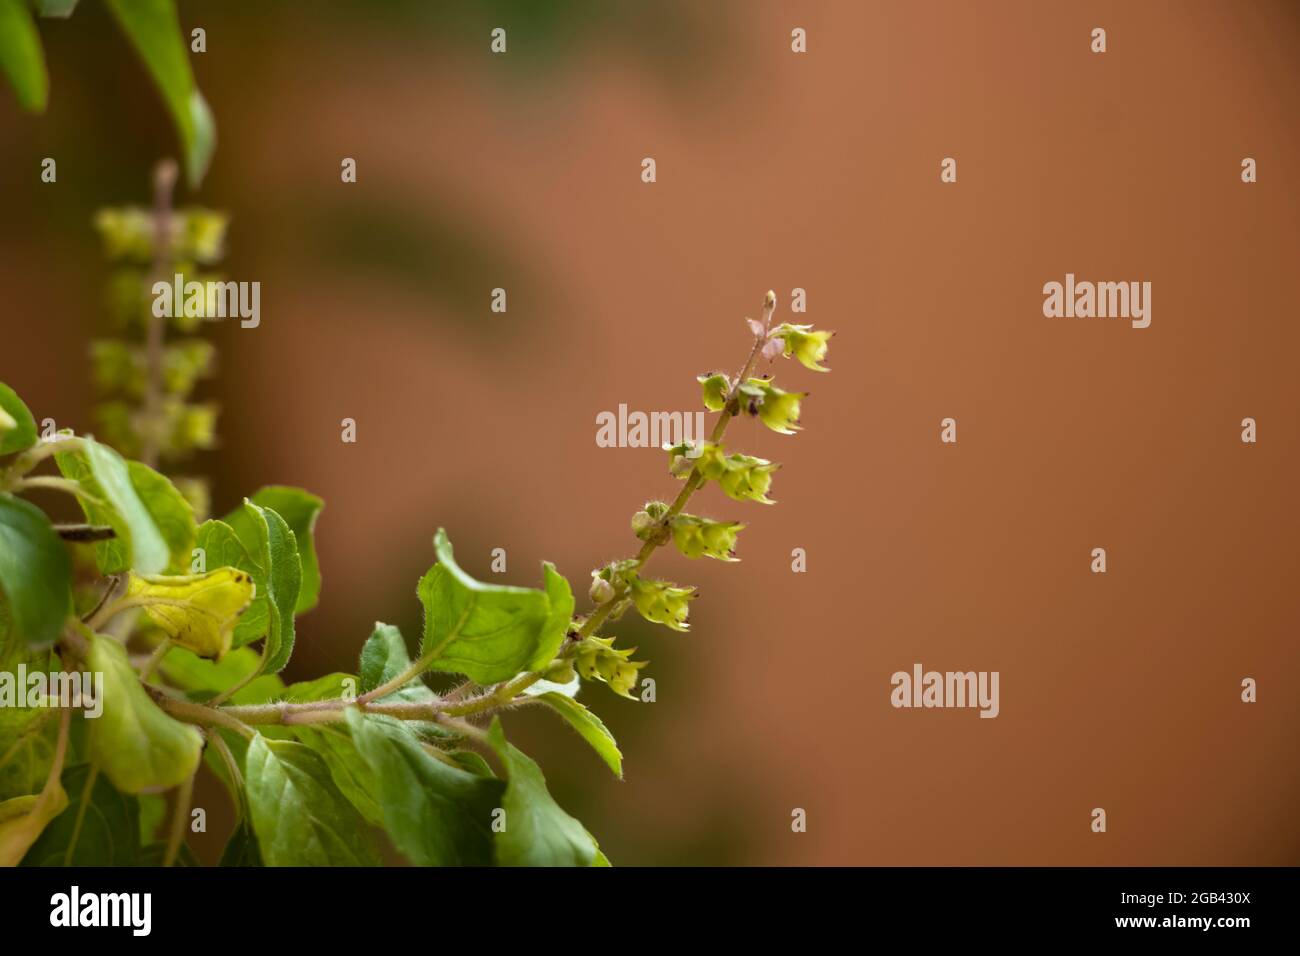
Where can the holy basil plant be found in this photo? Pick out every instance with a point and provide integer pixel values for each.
(175, 631)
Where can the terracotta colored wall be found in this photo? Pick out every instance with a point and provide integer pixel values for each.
(775, 170)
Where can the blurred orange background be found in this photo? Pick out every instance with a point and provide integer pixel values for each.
(775, 170)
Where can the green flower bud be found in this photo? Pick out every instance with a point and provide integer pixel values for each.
(778, 409)
(696, 537)
(716, 388)
(601, 591)
(561, 672)
(663, 603)
(805, 344)
(647, 524)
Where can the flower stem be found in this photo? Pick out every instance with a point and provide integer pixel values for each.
(694, 481)
(164, 181)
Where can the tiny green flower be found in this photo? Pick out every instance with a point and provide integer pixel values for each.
(707, 457)
(748, 478)
(128, 233)
(597, 660)
(778, 408)
(663, 603)
(696, 537)
(190, 426)
(716, 388)
(743, 477)
(804, 343)
(204, 235)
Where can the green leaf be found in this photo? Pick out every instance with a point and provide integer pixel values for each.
(241, 849)
(222, 548)
(17, 426)
(22, 819)
(27, 739)
(172, 515)
(436, 814)
(137, 745)
(154, 30)
(298, 814)
(21, 57)
(28, 735)
(348, 769)
(105, 475)
(153, 811)
(383, 658)
(537, 831)
(202, 678)
(197, 611)
(35, 572)
(472, 762)
(489, 632)
(329, 687)
(109, 833)
(589, 726)
(265, 547)
(277, 554)
(299, 509)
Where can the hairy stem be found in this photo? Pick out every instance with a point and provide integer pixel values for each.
(55, 483)
(20, 466)
(207, 716)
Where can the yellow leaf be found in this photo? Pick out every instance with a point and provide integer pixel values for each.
(23, 818)
(197, 611)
